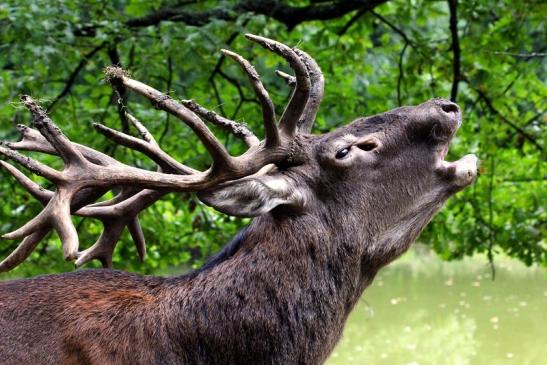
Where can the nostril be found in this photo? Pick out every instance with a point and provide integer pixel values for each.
(450, 108)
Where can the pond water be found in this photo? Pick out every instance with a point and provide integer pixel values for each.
(420, 310)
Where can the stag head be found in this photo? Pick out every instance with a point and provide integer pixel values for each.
(380, 178)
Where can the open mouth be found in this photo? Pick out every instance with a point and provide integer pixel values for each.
(460, 173)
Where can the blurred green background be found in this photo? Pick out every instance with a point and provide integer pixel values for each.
(375, 55)
(424, 311)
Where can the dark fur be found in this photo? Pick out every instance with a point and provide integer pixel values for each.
(278, 294)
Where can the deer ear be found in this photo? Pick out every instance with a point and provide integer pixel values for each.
(255, 195)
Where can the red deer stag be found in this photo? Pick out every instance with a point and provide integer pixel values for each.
(330, 210)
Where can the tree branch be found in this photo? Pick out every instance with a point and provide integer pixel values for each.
(456, 63)
(352, 21)
(407, 42)
(216, 70)
(491, 232)
(289, 15)
(74, 74)
(167, 124)
(493, 110)
(525, 56)
(401, 73)
(394, 28)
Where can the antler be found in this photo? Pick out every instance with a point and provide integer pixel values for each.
(317, 81)
(87, 174)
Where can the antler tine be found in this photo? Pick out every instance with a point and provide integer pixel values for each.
(32, 140)
(114, 223)
(69, 153)
(103, 248)
(136, 233)
(268, 109)
(115, 218)
(237, 129)
(35, 224)
(146, 145)
(34, 166)
(149, 148)
(162, 101)
(145, 134)
(316, 93)
(39, 193)
(295, 108)
(62, 223)
(23, 251)
(289, 79)
(56, 214)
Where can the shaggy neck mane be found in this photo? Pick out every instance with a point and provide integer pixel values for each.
(291, 277)
(307, 250)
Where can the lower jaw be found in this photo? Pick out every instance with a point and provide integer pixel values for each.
(463, 171)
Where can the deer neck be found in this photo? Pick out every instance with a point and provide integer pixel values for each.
(289, 286)
(318, 266)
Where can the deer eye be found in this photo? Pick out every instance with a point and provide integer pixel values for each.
(368, 146)
(342, 153)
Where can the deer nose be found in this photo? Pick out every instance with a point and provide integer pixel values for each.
(450, 109)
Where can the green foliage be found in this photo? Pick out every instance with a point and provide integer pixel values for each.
(400, 55)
